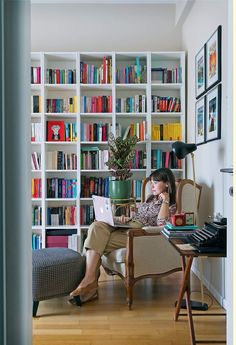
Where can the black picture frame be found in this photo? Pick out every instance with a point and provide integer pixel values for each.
(200, 121)
(213, 59)
(213, 114)
(200, 72)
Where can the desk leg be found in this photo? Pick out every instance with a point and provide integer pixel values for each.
(185, 288)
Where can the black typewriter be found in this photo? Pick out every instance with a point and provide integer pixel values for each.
(211, 238)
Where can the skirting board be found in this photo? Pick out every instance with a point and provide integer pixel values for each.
(220, 299)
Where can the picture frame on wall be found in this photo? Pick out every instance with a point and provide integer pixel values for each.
(213, 59)
(200, 72)
(200, 117)
(213, 114)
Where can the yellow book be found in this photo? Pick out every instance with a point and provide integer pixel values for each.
(40, 104)
(75, 104)
(32, 187)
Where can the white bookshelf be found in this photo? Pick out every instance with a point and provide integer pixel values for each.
(148, 86)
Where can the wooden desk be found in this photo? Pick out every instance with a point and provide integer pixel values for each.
(187, 257)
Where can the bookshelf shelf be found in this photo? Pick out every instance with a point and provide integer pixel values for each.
(94, 93)
(67, 143)
(60, 171)
(64, 115)
(56, 87)
(61, 199)
(96, 87)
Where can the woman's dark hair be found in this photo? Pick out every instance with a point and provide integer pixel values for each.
(166, 175)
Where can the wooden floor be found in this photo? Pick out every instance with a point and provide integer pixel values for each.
(108, 321)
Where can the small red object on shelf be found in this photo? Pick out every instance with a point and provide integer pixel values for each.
(178, 219)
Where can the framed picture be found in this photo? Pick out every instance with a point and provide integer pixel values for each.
(213, 114)
(200, 131)
(55, 131)
(213, 59)
(200, 72)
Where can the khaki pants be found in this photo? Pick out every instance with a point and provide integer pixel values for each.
(104, 238)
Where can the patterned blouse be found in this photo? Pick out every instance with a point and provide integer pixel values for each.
(148, 212)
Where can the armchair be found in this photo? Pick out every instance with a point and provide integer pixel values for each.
(147, 253)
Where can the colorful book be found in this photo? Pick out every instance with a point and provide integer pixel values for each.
(169, 226)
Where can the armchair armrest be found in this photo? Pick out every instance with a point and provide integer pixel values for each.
(153, 229)
(149, 253)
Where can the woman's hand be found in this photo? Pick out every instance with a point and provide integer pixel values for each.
(122, 219)
(165, 197)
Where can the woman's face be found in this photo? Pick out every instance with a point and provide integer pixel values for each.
(158, 187)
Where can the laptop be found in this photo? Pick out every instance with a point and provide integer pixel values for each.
(103, 212)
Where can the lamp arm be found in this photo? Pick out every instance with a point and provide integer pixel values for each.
(196, 222)
(195, 190)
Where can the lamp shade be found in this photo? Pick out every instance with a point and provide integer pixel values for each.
(181, 149)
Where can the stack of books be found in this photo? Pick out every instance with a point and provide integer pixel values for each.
(171, 231)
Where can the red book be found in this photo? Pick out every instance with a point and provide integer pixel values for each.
(57, 76)
(167, 159)
(99, 104)
(55, 131)
(109, 104)
(57, 241)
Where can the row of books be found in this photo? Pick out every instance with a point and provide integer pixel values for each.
(72, 241)
(164, 159)
(62, 215)
(93, 158)
(36, 215)
(35, 75)
(138, 129)
(86, 214)
(95, 131)
(36, 132)
(96, 74)
(165, 104)
(171, 231)
(60, 160)
(133, 74)
(36, 104)
(96, 104)
(61, 188)
(60, 76)
(164, 75)
(134, 104)
(99, 186)
(36, 160)
(139, 161)
(61, 105)
(36, 188)
(36, 241)
(94, 185)
(61, 131)
(166, 131)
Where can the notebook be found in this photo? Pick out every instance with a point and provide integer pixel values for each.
(103, 212)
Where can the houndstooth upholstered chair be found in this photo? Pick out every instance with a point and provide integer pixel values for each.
(148, 253)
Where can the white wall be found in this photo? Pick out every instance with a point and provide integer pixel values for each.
(104, 28)
(202, 21)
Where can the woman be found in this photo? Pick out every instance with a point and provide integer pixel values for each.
(103, 238)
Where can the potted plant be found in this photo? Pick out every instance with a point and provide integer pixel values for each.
(121, 154)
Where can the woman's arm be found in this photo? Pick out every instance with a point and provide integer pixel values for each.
(164, 210)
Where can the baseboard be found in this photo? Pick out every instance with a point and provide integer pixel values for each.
(220, 299)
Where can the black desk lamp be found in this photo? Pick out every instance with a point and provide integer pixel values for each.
(181, 150)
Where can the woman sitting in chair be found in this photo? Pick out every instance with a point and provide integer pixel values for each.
(103, 238)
